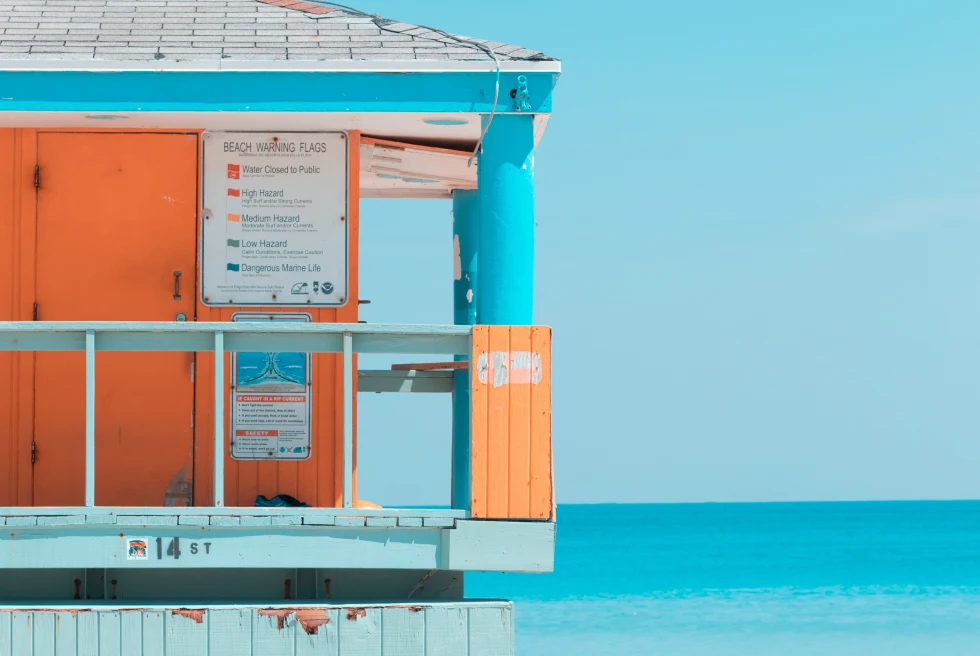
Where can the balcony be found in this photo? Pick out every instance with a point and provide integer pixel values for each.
(501, 519)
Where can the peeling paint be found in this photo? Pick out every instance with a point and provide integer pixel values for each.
(311, 619)
(469, 295)
(505, 367)
(178, 492)
(354, 613)
(192, 614)
(457, 260)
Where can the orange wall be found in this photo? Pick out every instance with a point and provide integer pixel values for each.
(510, 423)
(316, 481)
(17, 159)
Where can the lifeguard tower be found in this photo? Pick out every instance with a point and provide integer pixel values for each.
(179, 331)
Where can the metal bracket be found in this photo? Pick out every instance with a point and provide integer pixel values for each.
(522, 100)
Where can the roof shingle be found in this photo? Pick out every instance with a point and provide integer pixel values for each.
(190, 30)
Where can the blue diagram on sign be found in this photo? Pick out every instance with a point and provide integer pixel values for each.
(265, 368)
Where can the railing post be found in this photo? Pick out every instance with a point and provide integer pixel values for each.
(219, 419)
(348, 494)
(89, 418)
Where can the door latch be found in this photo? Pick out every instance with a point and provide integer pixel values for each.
(177, 275)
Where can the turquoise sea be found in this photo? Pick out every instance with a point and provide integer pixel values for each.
(895, 578)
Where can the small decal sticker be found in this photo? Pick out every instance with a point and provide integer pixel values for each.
(136, 549)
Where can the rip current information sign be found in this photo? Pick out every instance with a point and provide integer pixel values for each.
(271, 401)
(274, 219)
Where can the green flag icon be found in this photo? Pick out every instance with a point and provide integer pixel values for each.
(235, 242)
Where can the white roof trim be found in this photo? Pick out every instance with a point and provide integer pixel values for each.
(328, 66)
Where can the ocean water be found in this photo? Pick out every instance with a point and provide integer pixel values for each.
(891, 578)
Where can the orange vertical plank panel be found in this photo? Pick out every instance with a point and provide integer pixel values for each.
(542, 469)
(9, 370)
(498, 421)
(25, 258)
(519, 384)
(479, 357)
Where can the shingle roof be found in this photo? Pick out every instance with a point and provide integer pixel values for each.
(195, 30)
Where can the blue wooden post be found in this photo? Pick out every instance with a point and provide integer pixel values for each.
(466, 240)
(505, 180)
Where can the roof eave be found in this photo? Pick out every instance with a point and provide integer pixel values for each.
(338, 66)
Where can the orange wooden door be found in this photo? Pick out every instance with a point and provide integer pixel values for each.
(116, 217)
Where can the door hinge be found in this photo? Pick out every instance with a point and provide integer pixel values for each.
(37, 176)
(33, 452)
(35, 312)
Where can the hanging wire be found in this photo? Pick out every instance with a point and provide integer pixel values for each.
(475, 45)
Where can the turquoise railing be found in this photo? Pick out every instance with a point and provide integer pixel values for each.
(221, 338)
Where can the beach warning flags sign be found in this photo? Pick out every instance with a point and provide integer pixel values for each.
(234, 171)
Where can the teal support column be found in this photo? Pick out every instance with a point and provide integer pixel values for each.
(505, 181)
(466, 241)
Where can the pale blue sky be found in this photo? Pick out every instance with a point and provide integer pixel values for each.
(757, 245)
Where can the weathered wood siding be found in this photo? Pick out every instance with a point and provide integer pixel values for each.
(510, 384)
(446, 629)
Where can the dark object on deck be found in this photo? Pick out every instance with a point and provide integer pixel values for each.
(279, 501)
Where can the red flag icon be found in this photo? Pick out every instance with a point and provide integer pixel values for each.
(235, 192)
(234, 171)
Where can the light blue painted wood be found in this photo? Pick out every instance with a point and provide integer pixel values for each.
(154, 633)
(87, 637)
(410, 521)
(66, 634)
(100, 519)
(491, 631)
(382, 521)
(22, 521)
(403, 631)
(350, 521)
(446, 630)
(60, 520)
(256, 521)
(433, 629)
(90, 418)
(269, 637)
(324, 641)
(131, 632)
(186, 636)
(194, 520)
(226, 521)
(22, 633)
(470, 546)
(243, 336)
(360, 631)
(44, 634)
(287, 521)
(110, 633)
(230, 631)
(219, 419)
(397, 90)
(417, 345)
(5, 634)
(501, 546)
(445, 522)
(417, 382)
(162, 520)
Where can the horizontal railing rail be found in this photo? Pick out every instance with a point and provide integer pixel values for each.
(219, 338)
